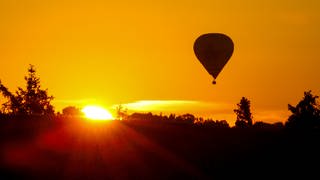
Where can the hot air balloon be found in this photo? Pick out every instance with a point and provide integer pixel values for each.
(213, 51)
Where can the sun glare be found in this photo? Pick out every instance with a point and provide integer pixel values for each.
(97, 113)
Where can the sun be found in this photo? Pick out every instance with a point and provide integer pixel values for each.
(97, 113)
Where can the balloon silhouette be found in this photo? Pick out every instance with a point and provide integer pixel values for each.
(213, 51)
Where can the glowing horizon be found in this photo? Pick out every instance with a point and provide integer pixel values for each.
(208, 110)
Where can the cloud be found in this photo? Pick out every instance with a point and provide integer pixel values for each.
(178, 107)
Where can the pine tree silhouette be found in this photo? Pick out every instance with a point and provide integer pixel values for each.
(244, 116)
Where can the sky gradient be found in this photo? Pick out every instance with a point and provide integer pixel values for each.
(124, 52)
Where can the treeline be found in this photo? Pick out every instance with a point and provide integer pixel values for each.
(189, 119)
(185, 119)
(35, 101)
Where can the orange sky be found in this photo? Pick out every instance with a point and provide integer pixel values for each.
(102, 52)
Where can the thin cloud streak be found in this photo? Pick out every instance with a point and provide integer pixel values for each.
(198, 108)
(271, 116)
(174, 105)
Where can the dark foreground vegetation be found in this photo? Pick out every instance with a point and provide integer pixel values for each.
(73, 148)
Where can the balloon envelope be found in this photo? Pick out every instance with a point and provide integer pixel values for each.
(213, 51)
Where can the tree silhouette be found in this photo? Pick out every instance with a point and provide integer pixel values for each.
(244, 116)
(71, 111)
(186, 118)
(31, 101)
(212, 123)
(121, 112)
(305, 114)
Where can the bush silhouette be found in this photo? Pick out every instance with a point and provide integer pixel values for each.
(305, 114)
(71, 111)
